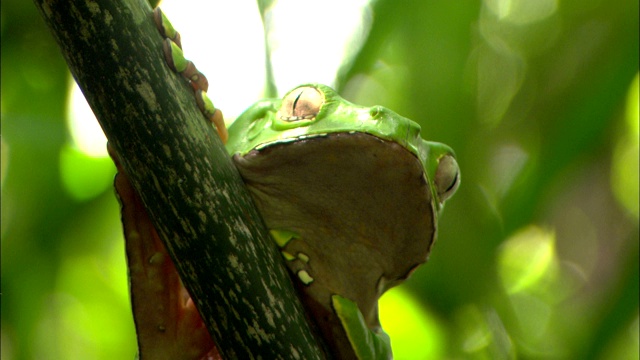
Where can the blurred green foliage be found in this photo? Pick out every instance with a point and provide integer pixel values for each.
(537, 254)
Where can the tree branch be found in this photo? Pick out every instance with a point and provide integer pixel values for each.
(184, 176)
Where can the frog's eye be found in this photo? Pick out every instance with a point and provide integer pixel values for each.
(301, 104)
(447, 177)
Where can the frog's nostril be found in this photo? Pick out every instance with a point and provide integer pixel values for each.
(375, 112)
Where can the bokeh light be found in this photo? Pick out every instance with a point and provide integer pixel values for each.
(624, 172)
(86, 133)
(222, 37)
(527, 259)
(415, 333)
(309, 40)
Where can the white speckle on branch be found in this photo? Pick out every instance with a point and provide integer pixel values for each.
(145, 90)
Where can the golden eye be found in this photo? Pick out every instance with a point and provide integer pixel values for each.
(301, 104)
(447, 177)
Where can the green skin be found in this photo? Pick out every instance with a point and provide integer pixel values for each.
(351, 195)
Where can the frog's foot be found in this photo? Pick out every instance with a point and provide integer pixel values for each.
(366, 343)
(174, 57)
(165, 27)
(167, 322)
(214, 115)
(177, 62)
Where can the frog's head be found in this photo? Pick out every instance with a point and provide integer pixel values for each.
(313, 110)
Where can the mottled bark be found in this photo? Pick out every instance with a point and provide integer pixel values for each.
(184, 176)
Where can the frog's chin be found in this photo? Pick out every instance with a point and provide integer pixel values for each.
(351, 194)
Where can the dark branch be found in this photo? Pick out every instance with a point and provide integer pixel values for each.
(184, 176)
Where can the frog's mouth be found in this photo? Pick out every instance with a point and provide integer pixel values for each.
(350, 193)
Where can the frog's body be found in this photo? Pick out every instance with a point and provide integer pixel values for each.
(345, 192)
(351, 195)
